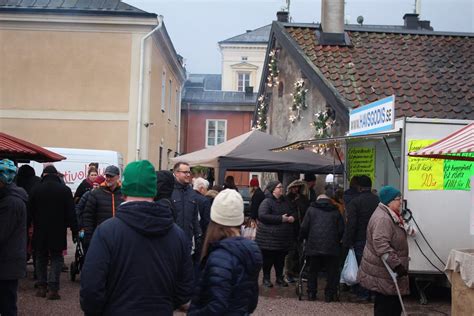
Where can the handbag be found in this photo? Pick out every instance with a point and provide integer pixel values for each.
(249, 229)
(349, 272)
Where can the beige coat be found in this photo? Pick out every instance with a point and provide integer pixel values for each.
(384, 235)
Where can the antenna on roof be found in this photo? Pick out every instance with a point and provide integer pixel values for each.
(417, 9)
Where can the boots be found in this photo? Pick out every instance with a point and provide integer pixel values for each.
(53, 295)
(267, 282)
(41, 291)
(281, 282)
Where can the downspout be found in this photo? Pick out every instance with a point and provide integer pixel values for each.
(178, 145)
(140, 85)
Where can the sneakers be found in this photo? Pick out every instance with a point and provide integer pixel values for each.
(41, 291)
(281, 282)
(290, 279)
(267, 283)
(53, 295)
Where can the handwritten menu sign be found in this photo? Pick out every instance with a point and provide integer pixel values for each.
(362, 162)
(438, 174)
(458, 173)
(424, 173)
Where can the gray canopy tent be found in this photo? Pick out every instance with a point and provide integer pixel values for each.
(252, 152)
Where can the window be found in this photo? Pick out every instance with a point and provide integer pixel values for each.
(170, 98)
(178, 99)
(244, 58)
(216, 132)
(160, 158)
(243, 81)
(163, 91)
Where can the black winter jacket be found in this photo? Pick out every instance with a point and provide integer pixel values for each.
(52, 209)
(272, 233)
(138, 263)
(204, 207)
(322, 227)
(186, 212)
(101, 205)
(229, 281)
(257, 199)
(12, 232)
(358, 213)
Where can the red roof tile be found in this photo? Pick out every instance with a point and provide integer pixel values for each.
(431, 75)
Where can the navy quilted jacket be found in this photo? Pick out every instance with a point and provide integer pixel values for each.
(229, 281)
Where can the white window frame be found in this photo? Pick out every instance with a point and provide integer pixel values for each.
(163, 91)
(170, 97)
(178, 102)
(215, 137)
(244, 74)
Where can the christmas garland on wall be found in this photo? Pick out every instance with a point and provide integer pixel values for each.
(273, 72)
(299, 101)
(262, 109)
(323, 124)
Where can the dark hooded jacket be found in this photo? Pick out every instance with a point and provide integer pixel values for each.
(12, 232)
(187, 210)
(257, 199)
(272, 233)
(229, 281)
(52, 209)
(322, 227)
(138, 263)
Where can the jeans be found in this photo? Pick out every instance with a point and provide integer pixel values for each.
(8, 297)
(331, 265)
(387, 305)
(273, 258)
(57, 261)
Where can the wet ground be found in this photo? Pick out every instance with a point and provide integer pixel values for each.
(274, 301)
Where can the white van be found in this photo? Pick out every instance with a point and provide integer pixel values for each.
(76, 164)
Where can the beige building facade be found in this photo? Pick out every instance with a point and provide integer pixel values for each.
(97, 81)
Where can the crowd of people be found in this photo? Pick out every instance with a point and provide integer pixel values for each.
(163, 240)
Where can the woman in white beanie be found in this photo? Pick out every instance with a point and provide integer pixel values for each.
(230, 263)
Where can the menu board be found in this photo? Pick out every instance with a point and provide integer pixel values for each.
(362, 162)
(437, 174)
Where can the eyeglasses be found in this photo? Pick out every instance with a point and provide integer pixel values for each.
(185, 172)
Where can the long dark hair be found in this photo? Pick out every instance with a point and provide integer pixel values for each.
(216, 232)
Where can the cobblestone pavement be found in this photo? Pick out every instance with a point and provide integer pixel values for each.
(275, 301)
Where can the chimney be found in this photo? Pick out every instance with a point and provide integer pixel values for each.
(282, 16)
(332, 23)
(248, 90)
(412, 22)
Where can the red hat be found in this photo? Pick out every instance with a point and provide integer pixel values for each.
(254, 182)
(99, 179)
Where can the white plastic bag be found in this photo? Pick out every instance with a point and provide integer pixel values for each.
(349, 272)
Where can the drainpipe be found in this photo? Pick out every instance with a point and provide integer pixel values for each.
(140, 85)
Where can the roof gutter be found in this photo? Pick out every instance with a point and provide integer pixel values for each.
(141, 83)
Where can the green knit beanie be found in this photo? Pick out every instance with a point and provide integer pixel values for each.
(139, 179)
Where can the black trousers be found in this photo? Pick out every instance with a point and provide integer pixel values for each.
(331, 265)
(273, 258)
(387, 305)
(8, 297)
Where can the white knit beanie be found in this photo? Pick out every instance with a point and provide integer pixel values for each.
(228, 208)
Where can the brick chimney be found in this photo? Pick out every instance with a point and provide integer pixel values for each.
(332, 23)
(283, 16)
(412, 22)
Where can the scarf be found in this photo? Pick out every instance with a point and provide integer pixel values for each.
(399, 220)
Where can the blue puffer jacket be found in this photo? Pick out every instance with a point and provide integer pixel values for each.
(229, 281)
(138, 263)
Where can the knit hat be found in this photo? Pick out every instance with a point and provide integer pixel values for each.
(254, 182)
(164, 184)
(139, 179)
(388, 194)
(271, 186)
(7, 171)
(98, 180)
(228, 208)
(50, 170)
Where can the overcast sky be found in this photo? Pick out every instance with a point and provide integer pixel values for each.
(195, 26)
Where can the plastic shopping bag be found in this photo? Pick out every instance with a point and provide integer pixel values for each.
(349, 272)
(249, 229)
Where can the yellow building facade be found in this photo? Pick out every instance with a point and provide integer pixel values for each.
(91, 80)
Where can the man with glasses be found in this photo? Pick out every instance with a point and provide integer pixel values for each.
(186, 207)
(102, 202)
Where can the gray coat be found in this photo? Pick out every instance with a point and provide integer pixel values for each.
(272, 233)
(384, 235)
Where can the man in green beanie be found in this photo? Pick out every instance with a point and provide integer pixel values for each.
(138, 262)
